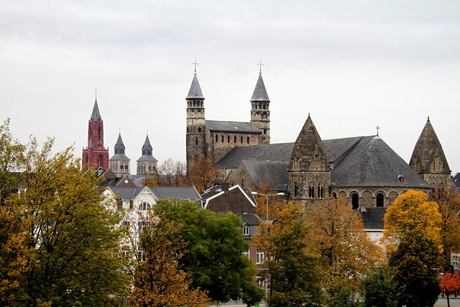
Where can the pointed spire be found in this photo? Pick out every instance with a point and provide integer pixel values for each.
(309, 153)
(119, 146)
(195, 90)
(95, 115)
(147, 148)
(260, 93)
(428, 155)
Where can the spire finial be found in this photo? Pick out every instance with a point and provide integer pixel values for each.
(260, 66)
(95, 93)
(195, 63)
(378, 128)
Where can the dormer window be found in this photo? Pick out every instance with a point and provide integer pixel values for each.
(245, 230)
(144, 206)
(401, 178)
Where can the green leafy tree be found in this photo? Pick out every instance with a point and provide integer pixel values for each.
(292, 273)
(214, 254)
(63, 236)
(416, 262)
(380, 289)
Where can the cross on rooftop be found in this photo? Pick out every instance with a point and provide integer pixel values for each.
(195, 63)
(260, 66)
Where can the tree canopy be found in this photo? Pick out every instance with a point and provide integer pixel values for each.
(214, 253)
(59, 241)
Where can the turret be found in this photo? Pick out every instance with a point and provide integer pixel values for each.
(119, 162)
(95, 155)
(195, 139)
(147, 164)
(260, 111)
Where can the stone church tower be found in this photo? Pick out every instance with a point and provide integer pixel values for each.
(119, 163)
(429, 161)
(96, 155)
(260, 111)
(147, 164)
(309, 175)
(196, 137)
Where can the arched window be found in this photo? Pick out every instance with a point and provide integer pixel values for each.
(296, 189)
(311, 191)
(242, 182)
(380, 200)
(355, 200)
(196, 141)
(320, 192)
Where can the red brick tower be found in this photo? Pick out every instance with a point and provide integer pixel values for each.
(96, 154)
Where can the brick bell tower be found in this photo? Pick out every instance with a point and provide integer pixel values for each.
(96, 155)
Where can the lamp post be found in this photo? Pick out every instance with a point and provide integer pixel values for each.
(267, 195)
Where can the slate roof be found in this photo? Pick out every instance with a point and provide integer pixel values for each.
(358, 161)
(95, 115)
(270, 152)
(456, 180)
(260, 93)
(183, 193)
(228, 126)
(373, 217)
(147, 151)
(275, 173)
(195, 89)
(119, 151)
(251, 219)
(372, 163)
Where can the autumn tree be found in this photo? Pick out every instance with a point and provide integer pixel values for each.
(159, 278)
(292, 273)
(450, 283)
(413, 233)
(214, 254)
(59, 239)
(347, 253)
(169, 173)
(449, 207)
(202, 173)
(412, 212)
(267, 197)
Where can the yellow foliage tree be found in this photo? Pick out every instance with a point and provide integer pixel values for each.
(202, 173)
(412, 212)
(338, 236)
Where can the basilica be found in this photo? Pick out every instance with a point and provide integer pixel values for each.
(364, 169)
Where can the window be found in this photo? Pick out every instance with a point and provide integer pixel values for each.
(142, 226)
(380, 200)
(144, 206)
(259, 257)
(296, 189)
(228, 139)
(222, 138)
(355, 200)
(320, 192)
(311, 192)
(241, 140)
(247, 139)
(234, 139)
(247, 254)
(246, 230)
(217, 138)
(196, 141)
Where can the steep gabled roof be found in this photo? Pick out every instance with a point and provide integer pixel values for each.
(428, 155)
(195, 90)
(119, 151)
(221, 198)
(229, 126)
(372, 163)
(260, 93)
(309, 153)
(147, 151)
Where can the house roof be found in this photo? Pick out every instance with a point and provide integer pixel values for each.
(228, 126)
(183, 193)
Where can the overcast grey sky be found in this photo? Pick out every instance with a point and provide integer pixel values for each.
(352, 65)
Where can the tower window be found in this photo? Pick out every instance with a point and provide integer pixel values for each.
(320, 192)
(199, 129)
(379, 200)
(296, 189)
(222, 139)
(311, 192)
(196, 141)
(241, 140)
(217, 138)
(247, 139)
(228, 139)
(234, 139)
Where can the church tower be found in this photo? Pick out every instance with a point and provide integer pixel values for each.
(429, 161)
(260, 112)
(309, 175)
(119, 163)
(195, 138)
(147, 164)
(95, 154)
